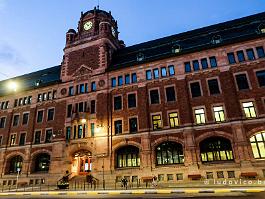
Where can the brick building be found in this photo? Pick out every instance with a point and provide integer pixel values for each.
(186, 106)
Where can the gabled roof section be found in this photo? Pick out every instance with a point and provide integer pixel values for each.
(237, 30)
(33, 80)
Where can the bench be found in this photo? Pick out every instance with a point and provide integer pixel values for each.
(249, 175)
(195, 176)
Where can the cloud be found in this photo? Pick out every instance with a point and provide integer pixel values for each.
(11, 62)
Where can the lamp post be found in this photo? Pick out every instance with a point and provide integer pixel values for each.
(18, 170)
(103, 172)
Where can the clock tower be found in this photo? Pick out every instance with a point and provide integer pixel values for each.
(90, 48)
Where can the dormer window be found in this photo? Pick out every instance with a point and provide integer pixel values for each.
(176, 48)
(140, 57)
(216, 39)
(261, 29)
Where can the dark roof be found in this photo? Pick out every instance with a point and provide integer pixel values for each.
(29, 81)
(199, 39)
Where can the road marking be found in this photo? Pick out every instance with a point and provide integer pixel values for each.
(254, 190)
(164, 191)
(138, 192)
(222, 190)
(192, 191)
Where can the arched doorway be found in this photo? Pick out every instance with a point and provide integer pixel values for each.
(41, 163)
(14, 164)
(82, 162)
(127, 156)
(169, 153)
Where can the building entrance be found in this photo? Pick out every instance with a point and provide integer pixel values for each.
(82, 163)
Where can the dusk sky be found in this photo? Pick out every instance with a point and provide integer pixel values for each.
(32, 32)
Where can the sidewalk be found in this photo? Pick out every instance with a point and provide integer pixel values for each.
(139, 191)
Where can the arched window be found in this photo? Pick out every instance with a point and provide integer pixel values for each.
(128, 156)
(216, 149)
(258, 145)
(42, 162)
(169, 153)
(15, 164)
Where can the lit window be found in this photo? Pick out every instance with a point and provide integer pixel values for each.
(157, 122)
(68, 133)
(219, 113)
(173, 120)
(13, 140)
(128, 156)
(169, 153)
(258, 145)
(249, 109)
(199, 116)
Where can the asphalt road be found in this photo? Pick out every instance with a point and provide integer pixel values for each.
(159, 196)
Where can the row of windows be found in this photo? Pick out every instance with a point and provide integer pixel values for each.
(23, 101)
(241, 55)
(212, 149)
(81, 89)
(164, 72)
(25, 118)
(79, 131)
(202, 64)
(81, 107)
(127, 79)
(47, 96)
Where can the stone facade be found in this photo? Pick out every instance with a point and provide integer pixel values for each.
(88, 55)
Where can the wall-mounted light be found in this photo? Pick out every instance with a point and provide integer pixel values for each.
(83, 121)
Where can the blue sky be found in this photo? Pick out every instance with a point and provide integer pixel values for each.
(32, 32)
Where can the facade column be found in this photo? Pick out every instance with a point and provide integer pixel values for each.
(146, 154)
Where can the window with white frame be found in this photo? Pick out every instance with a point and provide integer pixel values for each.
(199, 116)
(249, 109)
(219, 113)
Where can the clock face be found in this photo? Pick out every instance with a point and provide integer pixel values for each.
(113, 31)
(88, 25)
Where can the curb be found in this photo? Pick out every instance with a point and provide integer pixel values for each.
(128, 192)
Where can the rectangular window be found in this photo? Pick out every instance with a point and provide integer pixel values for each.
(249, 109)
(260, 52)
(81, 107)
(171, 70)
(93, 106)
(13, 139)
(196, 65)
(169, 177)
(118, 127)
(77, 89)
(86, 87)
(16, 103)
(134, 78)
(157, 122)
(48, 137)
(187, 67)
(148, 75)
(82, 88)
(74, 131)
(71, 91)
(213, 87)
(68, 133)
(25, 118)
(242, 81)
(92, 128)
(199, 116)
(156, 73)
(39, 116)
(173, 120)
(133, 125)
(250, 54)
(204, 63)
(117, 103)
(219, 113)
(154, 96)
(80, 131)
(113, 82)
(120, 81)
(127, 79)
(1, 140)
(93, 86)
(179, 176)
(50, 95)
(195, 89)
(261, 77)
(240, 56)
(231, 58)
(2, 122)
(213, 62)
(54, 94)
(69, 110)
(15, 120)
(39, 98)
(29, 99)
(170, 93)
(163, 72)
(22, 139)
(131, 100)
(50, 114)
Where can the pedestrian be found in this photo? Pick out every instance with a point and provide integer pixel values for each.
(124, 182)
(154, 182)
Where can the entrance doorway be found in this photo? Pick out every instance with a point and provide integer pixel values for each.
(82, 163)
